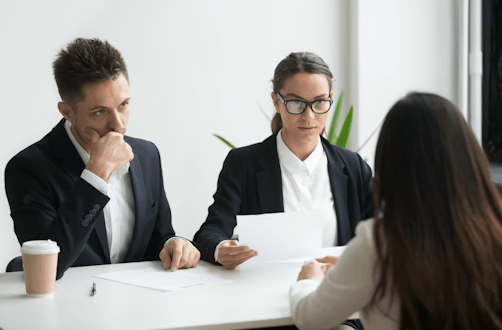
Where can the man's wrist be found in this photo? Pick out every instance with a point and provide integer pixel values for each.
(95, 181)
(98, 169)
(174, 238)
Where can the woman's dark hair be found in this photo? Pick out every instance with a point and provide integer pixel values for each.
(293, 64)
(438, 233)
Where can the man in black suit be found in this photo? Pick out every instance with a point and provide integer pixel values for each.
(96, 192)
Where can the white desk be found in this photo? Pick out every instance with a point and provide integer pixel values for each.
(257, 297)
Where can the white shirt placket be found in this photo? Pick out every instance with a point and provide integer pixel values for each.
(113, 234)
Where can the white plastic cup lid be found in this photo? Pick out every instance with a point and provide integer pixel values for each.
(40, 247)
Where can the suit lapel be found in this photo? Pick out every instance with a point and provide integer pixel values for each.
(139, 192)
(71, 163)
(269, 179)
(69, 159)
(338, 181)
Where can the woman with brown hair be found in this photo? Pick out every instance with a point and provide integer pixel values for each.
(430, 260)
(295, 169)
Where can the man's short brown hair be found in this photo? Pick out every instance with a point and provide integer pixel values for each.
(86, 61)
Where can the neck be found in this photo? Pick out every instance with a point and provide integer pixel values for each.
(84, 145)
(300, 148)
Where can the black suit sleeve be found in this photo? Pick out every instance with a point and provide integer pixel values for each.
(39, 214)
(221, 218)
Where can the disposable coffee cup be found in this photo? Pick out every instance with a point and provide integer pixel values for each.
(40, 261)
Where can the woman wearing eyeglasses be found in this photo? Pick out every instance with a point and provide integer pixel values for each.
(431, 260)
(295, 169)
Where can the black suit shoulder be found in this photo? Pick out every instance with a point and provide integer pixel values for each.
(141, 146)
(248, 154)
(146, 152)
(41, 150)
(349, 158)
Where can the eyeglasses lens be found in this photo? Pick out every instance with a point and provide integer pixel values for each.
(321, 106)
(296, 106)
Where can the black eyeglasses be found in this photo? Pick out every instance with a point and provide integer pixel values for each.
(296, 107)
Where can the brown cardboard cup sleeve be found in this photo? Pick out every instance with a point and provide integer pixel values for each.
(40, 260)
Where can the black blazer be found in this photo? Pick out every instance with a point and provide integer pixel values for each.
(49, 200)
(251, 183)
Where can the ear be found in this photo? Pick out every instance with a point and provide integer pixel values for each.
(276, 101)
(331, 94)
(66, 111)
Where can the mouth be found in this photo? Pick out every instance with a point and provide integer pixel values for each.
(307, 128)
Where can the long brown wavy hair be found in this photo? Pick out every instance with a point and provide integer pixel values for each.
(438, 232)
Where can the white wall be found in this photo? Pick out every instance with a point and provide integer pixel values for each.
(402, 46)
(200, 67)
(196, 68)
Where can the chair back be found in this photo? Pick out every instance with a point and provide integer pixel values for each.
(15, 265)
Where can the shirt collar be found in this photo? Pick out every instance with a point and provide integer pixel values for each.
(292, 163)
(86, 157)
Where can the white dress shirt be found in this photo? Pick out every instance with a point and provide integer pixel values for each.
(119, 211)
(306, 186)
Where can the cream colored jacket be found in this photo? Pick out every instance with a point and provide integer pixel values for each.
(346, 289)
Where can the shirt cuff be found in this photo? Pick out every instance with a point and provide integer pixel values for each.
(218, 248)
(95, 181)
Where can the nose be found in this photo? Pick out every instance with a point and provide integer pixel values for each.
(309, 112)
(117, 122)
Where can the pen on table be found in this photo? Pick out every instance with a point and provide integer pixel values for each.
(93, 291)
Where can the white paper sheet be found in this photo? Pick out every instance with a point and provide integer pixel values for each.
(282, 236)
(157, 278)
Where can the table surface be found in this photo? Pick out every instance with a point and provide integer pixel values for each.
(256, 297)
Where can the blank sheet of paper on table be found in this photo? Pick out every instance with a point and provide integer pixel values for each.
(157, 278)
(282, 236)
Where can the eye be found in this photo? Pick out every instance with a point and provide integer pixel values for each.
(295, 103)
(124, 104)
(98, 113)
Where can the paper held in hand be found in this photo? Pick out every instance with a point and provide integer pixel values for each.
(283, 236)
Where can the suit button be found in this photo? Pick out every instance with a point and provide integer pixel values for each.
(85, 223)
(88, 217)
(92, 212)
(96, 207)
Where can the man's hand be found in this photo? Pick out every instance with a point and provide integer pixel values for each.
(179, 253)
(231, 254)
(312, 271)
(328, 262)
(108, 153)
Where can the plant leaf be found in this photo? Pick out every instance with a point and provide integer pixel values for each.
(336, 118)
(225, 141)
(345, 131)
